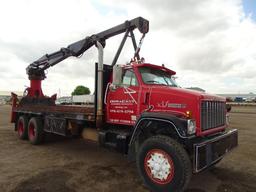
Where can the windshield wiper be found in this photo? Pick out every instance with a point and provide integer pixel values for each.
(153, 81)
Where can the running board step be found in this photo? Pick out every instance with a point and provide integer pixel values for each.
(110, 145)
(117, 139)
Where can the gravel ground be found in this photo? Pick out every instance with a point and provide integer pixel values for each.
(63, 165)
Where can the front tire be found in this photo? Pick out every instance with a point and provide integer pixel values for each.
(163, 164)
(35, 131)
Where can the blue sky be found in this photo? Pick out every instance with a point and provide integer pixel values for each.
(250, 8)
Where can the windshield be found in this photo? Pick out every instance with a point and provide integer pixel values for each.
(157, 76)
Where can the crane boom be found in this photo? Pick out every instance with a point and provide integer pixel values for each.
(36, 69)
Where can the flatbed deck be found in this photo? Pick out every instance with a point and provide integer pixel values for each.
(69, 112)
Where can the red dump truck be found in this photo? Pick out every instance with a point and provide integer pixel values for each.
(139, 111)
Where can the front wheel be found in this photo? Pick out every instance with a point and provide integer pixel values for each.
(163, 164)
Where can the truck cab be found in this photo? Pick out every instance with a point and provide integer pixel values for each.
(144, 87)
(165, 117)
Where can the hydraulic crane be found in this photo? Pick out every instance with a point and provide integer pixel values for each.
(36, 70)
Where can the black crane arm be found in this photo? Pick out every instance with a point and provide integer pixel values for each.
(36, 69)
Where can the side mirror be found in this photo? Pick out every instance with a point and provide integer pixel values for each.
(117, 75)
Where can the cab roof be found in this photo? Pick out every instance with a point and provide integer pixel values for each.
(154, 66)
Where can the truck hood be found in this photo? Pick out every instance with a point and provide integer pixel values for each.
(177, 100)
(186, 93)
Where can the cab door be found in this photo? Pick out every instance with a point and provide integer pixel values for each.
(123, 100)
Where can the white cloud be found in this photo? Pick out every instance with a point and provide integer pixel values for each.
(210, 43)
(207, 42)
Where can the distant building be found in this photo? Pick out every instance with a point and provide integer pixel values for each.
(245, 96)
(8, 93)
(64, 100)
(196, 89)
(5, 96)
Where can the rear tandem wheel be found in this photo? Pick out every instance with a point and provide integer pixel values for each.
(35, 131)
(22, 127)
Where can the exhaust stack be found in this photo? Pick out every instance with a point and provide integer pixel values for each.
(99, 118)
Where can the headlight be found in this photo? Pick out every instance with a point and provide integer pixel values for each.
(191, 126)
(227, 119)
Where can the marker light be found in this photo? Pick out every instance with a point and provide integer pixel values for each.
(188, 114)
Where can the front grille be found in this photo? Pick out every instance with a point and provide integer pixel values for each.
(213, 114)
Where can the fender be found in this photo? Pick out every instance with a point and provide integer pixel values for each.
(177, 123)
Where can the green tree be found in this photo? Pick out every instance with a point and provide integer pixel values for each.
(81, 90)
